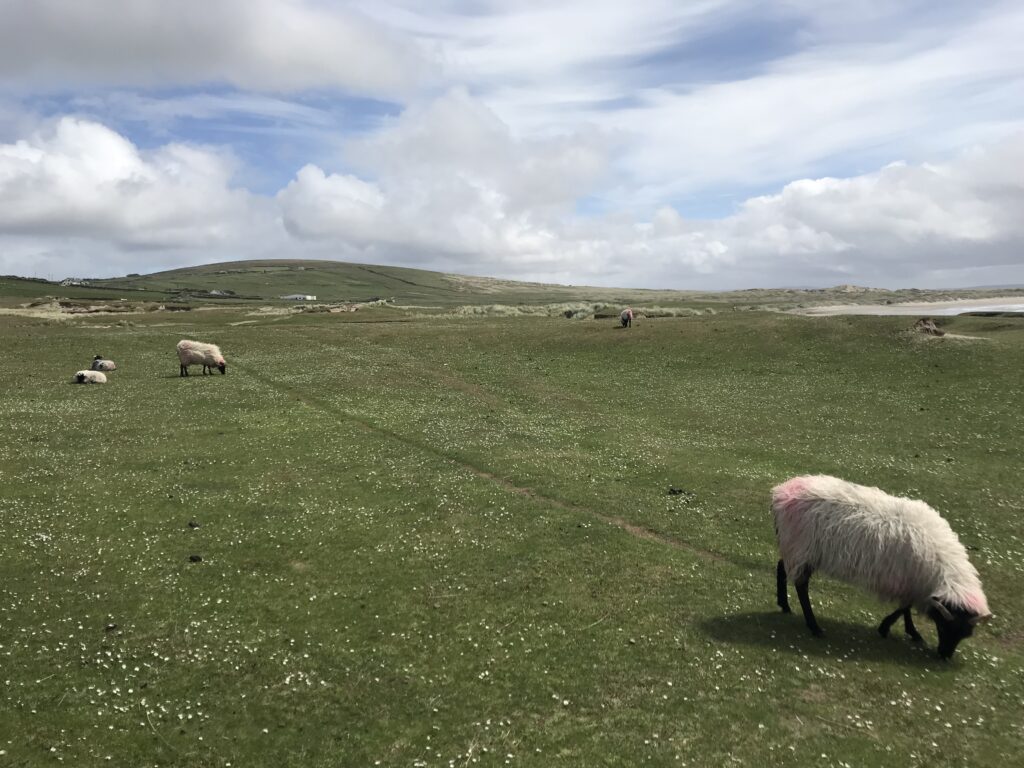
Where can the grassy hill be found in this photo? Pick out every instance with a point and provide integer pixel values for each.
(337, 282)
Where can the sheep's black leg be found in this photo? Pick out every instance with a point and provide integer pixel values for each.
(781, 594)
(909, 628)
(908, 623)
(183, 371)
(888, 621)
(805, 602)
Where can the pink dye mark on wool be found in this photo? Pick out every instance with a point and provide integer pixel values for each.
(976, 603)
(790, 503)
(789, 497)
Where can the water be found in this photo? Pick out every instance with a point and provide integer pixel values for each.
(981, 308)
(919, 309)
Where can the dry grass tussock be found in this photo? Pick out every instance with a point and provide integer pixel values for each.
(572, 310)
(654, 312)
(924, 338)
(62, 310)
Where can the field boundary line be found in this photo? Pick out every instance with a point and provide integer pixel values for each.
(633, 529)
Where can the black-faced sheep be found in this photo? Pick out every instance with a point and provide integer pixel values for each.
(198, 353)
(900, 549)
(89, 377)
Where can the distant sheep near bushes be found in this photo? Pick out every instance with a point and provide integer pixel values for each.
(900, 549)
(89, 377)
(198, 353)
(101, 364)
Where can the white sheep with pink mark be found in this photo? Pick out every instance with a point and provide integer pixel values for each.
(199, 353)
(900, 549)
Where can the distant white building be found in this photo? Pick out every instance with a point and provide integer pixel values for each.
(299, 297)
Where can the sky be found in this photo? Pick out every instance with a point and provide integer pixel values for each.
(691, 144)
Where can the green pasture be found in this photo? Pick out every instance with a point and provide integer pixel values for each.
(448, 541)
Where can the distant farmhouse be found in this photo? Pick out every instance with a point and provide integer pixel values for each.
(299, 297)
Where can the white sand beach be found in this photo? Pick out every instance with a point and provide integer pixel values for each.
(923, 308)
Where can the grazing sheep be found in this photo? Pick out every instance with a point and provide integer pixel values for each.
(626, 318)
(100, 364)
(198, 353)
(900, 549)
(89, 377)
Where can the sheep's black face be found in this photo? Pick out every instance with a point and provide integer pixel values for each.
(223, 368)
(81, 378)
(952, 630)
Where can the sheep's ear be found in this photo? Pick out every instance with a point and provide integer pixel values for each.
(943, 610)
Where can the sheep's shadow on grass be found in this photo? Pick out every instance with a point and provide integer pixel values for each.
(847, 640)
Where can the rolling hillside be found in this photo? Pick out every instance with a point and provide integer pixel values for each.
(332, 281)
(337, 281)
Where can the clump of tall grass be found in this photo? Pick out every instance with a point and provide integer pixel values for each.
(653, 312)
(572, 310)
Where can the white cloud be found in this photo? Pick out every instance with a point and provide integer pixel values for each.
(448, 192)
(569, 141)
(78, 178)
(259, 45)
(318, 206)
(852, 85)
(162, 112)
(901, 221)
(448, 186)
(457, 135)
(535, 40)
(449, 178)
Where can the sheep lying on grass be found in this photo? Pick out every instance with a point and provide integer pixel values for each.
(100, 364)
(900, 549)
(198, 353)
(89, 377)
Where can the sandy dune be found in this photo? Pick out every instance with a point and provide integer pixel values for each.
(997, 304)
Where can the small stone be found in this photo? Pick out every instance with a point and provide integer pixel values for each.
(193, 524)
(110, 627)
(195, 558)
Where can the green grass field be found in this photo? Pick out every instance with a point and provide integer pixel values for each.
(448, 542)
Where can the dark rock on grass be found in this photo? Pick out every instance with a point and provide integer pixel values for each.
(193, 524)
(195, 558)
(673, 491)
